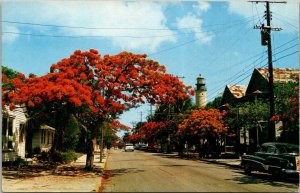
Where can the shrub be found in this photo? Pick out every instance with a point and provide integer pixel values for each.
(45, 156)
(19, 162)
(37, 150)
(63, 157)
(56, 156)
(69, 156)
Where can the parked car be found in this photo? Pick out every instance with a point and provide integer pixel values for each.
(274, 158)
(140, 147)
(152, 148)
(129, 147)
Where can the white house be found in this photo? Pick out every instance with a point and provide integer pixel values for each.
(13, 134)
(43, 138)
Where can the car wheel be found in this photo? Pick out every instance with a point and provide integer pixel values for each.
(247, 169)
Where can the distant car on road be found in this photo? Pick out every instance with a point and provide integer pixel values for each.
(152, 148)
(274, 158)
(129, 147)
(140, 147)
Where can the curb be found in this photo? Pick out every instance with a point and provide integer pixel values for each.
(222, 163)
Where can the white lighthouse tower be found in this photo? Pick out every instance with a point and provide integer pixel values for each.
(200, 92)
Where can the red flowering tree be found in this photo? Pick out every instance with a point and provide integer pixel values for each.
(97, 89)
(134, 138)
(206, 124)
(287, 109)
(150, 130)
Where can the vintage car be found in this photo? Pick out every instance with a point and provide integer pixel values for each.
(277, 159)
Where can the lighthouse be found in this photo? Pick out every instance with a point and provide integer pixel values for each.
(200, 92)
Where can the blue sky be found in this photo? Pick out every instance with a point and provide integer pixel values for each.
(215, 39)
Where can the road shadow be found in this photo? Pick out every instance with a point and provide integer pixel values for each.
(31, 172)
(117, 172)
(266, 179)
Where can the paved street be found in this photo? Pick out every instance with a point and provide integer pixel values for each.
(153, 172)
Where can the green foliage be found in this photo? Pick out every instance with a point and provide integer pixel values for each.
(19, 162)
(283, 92)
(251, 112)
(247, 115)
(37, 150)
(215, 104)
(63, 157)
(287, 108)
(72, 134)
(10, 73)
(126, 137)
(69, 156)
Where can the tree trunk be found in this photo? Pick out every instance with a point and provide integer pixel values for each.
(91, 143)
(90, 153)
(62, 117)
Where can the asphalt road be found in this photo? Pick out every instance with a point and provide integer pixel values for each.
(140, 171)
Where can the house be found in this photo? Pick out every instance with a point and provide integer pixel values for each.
(16, 138)
(259, 80)
(258, 88)
(232, 93)
(42, 138)
(13, 134)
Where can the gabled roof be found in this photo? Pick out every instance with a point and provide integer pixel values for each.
(259, 78)
(279, 74)
(232, 93)
(237, 91)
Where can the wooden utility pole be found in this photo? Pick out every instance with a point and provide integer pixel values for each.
(266, 41)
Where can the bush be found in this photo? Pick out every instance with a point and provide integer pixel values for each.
(69, 156)
(37, 150)
(63, 157)
(45, 156)
(56, 156)
(19, 162)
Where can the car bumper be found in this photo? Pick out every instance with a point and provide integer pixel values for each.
(290, 172)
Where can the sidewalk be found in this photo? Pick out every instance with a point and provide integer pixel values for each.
(64, 178)
(228, 162)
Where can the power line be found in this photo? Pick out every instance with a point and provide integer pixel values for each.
(285, 56)
(261, 67)
(233, 77)
(238, 73)
(118, 28)
(119, 36)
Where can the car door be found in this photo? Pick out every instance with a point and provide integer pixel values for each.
(265, 152)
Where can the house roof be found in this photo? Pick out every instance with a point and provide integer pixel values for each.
(237, 91)
(47, 127)
(279, 74)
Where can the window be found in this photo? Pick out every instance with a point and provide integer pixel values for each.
(42, 136)
(263, 149)
(7, 133)
(271, 149)
(4, 126)
(22, 130)
(48, 137)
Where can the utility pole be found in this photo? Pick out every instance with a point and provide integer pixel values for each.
(266, 41)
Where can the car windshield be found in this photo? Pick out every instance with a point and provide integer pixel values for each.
(288, 149)
(292, 150)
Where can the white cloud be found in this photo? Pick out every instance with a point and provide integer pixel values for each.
(9, 38)
(115, 16)
(193, 23)
(202, 6)
(284, 15)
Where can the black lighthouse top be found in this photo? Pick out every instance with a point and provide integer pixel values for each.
(200, 83)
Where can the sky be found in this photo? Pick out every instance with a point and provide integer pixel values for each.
(213, 38)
